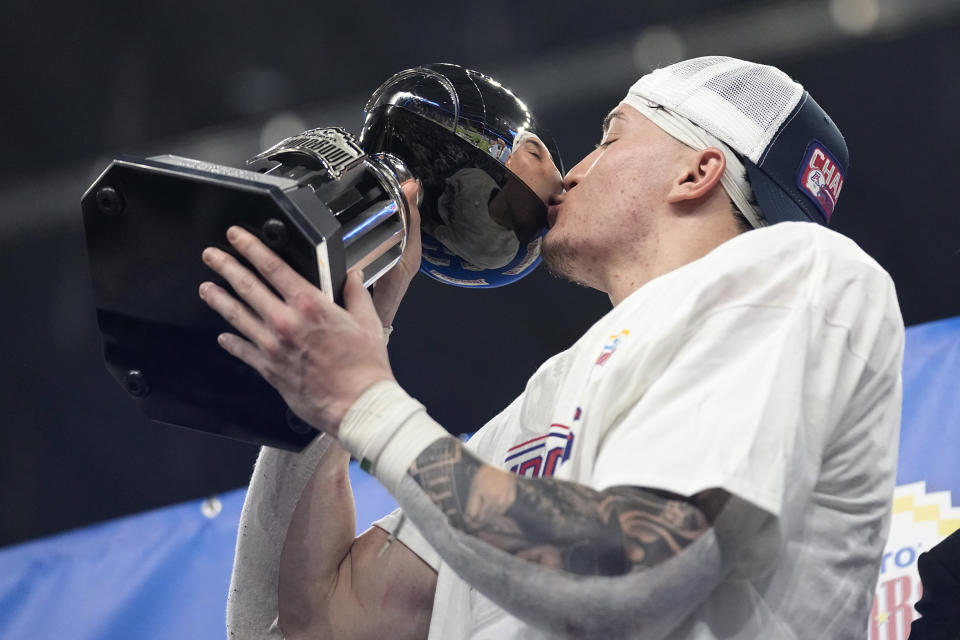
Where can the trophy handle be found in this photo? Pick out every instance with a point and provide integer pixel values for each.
(362, 191)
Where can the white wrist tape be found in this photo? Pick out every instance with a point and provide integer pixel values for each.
(386, 429)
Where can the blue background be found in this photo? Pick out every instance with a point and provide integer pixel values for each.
(930, 432)
(159, 575)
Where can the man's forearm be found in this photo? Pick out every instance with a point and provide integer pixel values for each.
(281, 480)
(533, 583)
(321, 532)
(560, 524)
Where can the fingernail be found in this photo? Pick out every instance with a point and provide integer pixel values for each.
(204, 287)
(207, 255)
(233, 233)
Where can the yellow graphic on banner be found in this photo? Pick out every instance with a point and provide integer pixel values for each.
(926, 513)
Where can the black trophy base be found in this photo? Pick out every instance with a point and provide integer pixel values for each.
(146, 224)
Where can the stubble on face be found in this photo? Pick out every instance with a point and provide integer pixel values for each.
(561, 260)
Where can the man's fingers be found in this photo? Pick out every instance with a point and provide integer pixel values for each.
(247, 285)
(245, 351)
(277, 272)
(357, 301)
(238, 315)
(412, 190)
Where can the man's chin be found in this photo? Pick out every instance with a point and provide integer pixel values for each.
(559, 258)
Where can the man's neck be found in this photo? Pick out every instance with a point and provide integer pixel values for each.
(662, 254)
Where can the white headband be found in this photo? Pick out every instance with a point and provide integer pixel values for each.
(519, 138)
(734, 178)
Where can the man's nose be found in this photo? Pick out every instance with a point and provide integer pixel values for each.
(571, 180)
(575, 175)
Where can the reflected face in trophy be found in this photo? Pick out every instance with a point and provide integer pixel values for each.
(476, 219)
(531, 161)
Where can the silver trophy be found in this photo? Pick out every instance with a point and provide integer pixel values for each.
(326, 203)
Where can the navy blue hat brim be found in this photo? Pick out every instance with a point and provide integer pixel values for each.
(776, 179)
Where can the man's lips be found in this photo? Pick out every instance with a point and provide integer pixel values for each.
(552, 212)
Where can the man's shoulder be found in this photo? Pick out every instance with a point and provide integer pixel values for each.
(790, 237)
(805, 241)
(806, 265)
(801, 269)
(800, 255)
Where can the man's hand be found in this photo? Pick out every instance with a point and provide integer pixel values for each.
(391, 287)
(320, 357)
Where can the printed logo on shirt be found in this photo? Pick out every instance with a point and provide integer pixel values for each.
(539, 457)
(612, 343)
(920, 520)
(821, 178)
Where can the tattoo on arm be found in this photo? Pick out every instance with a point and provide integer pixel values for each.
(562, 524)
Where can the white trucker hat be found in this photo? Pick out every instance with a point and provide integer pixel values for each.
(794, 155)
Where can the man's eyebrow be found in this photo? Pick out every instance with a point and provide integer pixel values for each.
(609, 119)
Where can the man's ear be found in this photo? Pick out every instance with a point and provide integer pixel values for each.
(698, 175)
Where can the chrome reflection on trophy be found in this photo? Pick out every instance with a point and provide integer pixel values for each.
(456, 130)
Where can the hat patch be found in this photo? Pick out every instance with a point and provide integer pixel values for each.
(820, 177)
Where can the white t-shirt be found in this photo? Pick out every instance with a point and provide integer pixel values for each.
(769, 368)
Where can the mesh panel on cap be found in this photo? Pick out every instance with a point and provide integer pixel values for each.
(759, 94)
(688, 68)
(740, 102)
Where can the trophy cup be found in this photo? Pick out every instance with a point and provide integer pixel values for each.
(325, 202)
